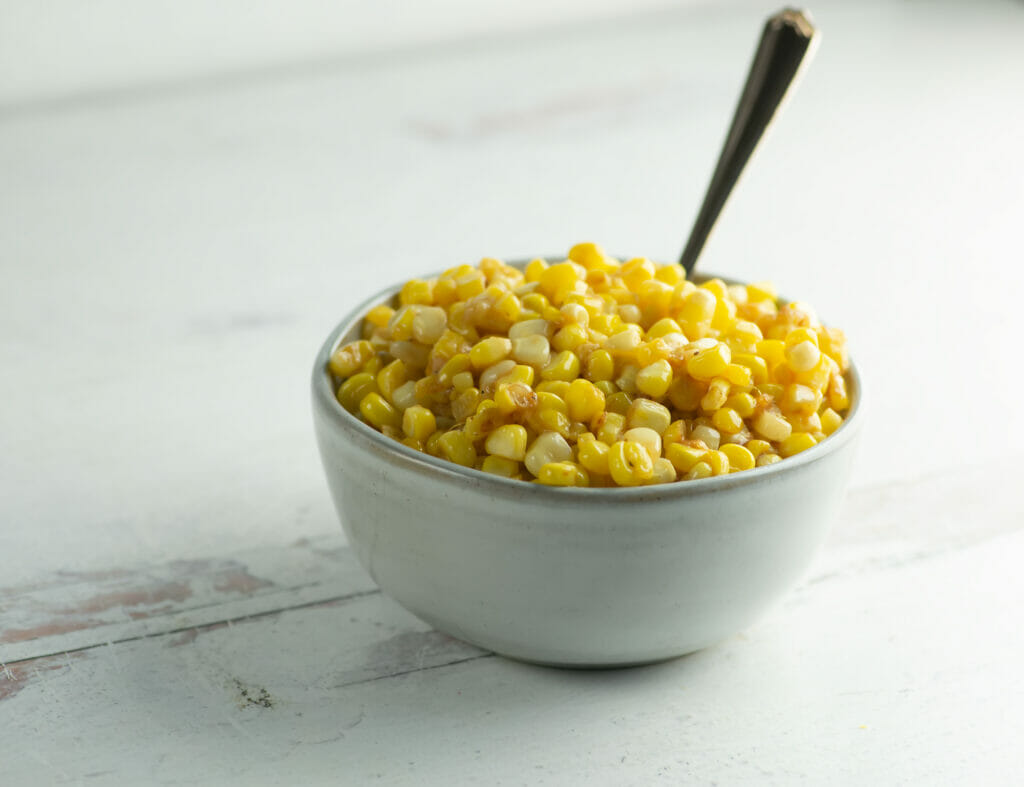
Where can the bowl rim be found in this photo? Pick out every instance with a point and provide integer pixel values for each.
(326, 404)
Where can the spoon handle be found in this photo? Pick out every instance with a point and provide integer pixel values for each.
(787, 39)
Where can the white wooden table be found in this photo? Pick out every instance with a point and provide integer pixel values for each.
(178, 604)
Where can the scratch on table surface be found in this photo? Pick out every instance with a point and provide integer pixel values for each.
(19, 676)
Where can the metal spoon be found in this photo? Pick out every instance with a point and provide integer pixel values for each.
(787, 41)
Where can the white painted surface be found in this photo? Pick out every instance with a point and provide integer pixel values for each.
(170, 263)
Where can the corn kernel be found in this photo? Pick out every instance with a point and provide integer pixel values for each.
(508, 441)
(593, 455)
(629, 463)
(708, 435)
(378, 411)
(418, 423)
(378, 316)
(675, 433)
(727, 420)
(354, 389)
(497, 465)
(609, 427)
(772, 426)
(718, 393)
(563, 366)
(404, 396)
(803, 357)
(390, 377)
(648, 438)
(349, 359)
(739, 457)
(547, 448)
(830, 421)
(458, 448)
(563, 474)
(758, 447)
(707, 364)
(684, 456)
(462, 381)
(532, 349)
(584, 400)
(717, 461)
(491, 376)
(768, 459)
(490, 351)
(664, 472)
(600, 366)
(795, 443)
(647, 414)
(655, 379)
(698, 471)
(570, 337)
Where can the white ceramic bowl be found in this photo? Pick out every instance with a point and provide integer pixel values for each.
(575, 577)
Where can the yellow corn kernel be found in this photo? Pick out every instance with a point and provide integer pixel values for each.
(710, 363)
(462, 381)
(489, 351)
(684, 456)
(803, 356)
(508, 441)
(493, 375)
(563, 366)
(593, 455)
(838, 398)
(418, 423)
(647, 414)
(830, 421)
(800, 335)
(404, 396)
(696, 311)
(762, 291)
(455, 365)
(508, 307)
(570, 337)
(428, 323)
(664, 472)
(629, 463)
(416, 291)
(768, 459)
(801, 400)
(607, 387)
(470, 284)
(758, 447)
(675, 433)
(609, 427)
(738, 375)
(600, 366)
(772, 426)
(557, 280)
(557, 387)
(811, 422)
(708, 435)
(727, 421)
(378, 316)
(378, 411)
(534, 269)
(654, 298)
(390, 377)
(655, 379)
(663, 327)
(671, 274)
(515, 397)
(584, 400)
(636, 271)
(528, 328)
(532, 349)
(743, 403)
(626, 381)
(717, 461)
(465, 403)
(458, 448)
(686, 393)
(739, 457)
(630, 313)
(547, 448)
(795, 443)
(399, 327)
(625, 341)
(756, 364)
(589, 255)
(352, 391)
(563, 474)
(698, 471)
(718, 393)
(498, 465)
(772, 350)
(646, 437)
(349, 359)
(618, 403)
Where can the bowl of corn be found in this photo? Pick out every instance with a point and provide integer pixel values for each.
(585, 461)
